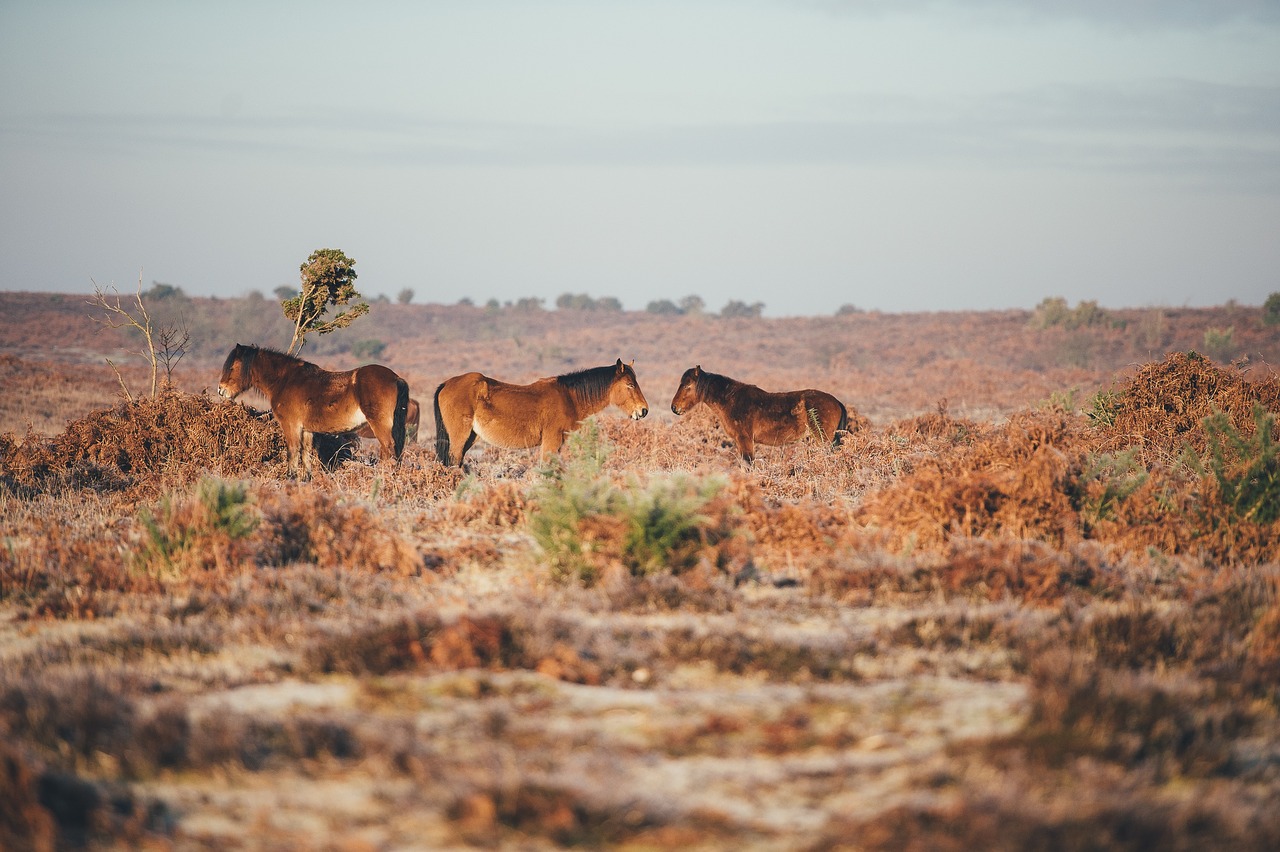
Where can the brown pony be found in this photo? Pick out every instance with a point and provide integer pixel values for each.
(306, 398)
(752, 415)
(540, 414)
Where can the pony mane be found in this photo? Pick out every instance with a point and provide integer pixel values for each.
(715, 384)
(593, 383)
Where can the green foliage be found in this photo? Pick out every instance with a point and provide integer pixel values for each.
(328, 279)
(1245, 467)
(405, 296)
(1054, 311)
(688, 306)
(182, 531)
(161, 291)
(649, 529)
(583, 302)
(665, 523)
(368, 349)
(1271, 310)
(1109, 479)
(692, 305)
(735, 308)
(1219, 342)
(1103, 408)
(663, 307)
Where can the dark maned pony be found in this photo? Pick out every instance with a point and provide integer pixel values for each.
(306, 398)
(751, 415)
(539, 414)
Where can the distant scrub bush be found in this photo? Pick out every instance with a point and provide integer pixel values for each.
(583, 302)
(1271, 310)
(583, 521)
(1053, 311)
(1219, 343)
(368, 348)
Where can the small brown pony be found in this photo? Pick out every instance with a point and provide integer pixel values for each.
(539, 414)
(306, 399)
(751, 415)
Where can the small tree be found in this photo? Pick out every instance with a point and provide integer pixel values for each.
(117, 315)
(1271, 310)
(327, 279)
(692, 305)
(735, 308)
(405, 296)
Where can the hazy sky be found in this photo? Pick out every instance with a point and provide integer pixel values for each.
(897, 155)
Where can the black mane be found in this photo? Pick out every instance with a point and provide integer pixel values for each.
(593, 383)
(715, 385)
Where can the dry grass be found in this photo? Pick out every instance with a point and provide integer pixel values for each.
(986, 620)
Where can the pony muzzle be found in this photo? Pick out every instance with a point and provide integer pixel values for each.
(639, 412)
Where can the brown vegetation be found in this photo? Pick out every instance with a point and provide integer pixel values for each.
(1032, 600)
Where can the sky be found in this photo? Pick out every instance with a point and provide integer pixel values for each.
(890, 155)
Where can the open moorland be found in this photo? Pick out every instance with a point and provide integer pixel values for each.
(1031, 600)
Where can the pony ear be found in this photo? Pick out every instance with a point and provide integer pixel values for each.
(697, 371)
(621, 369)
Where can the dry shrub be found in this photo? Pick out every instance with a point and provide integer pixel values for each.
(862, 576)
(564, 816)
(937, 425)
(1010, 482)
(422, 641)
(305, 524)
(1162, 721)
(1163, 407)
(501, 503)
(69, 570)
(1028, 571)
(1231, 628)
(779, 530)
(172, 438)
(24, 822)
(1095, 812)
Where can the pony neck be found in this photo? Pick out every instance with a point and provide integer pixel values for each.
(267, 366)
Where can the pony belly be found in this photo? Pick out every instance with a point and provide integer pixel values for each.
(337, 420)
(777, 434)
(509, 435)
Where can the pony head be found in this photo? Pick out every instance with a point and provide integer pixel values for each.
(625, 392)
(235, 371)
(687, 394)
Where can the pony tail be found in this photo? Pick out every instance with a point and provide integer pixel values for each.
(401, 413)
(843, 425)
(442, 434)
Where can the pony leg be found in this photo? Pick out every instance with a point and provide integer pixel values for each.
(308, 442)
(293, 438)
(746, 446)
(552, 441)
